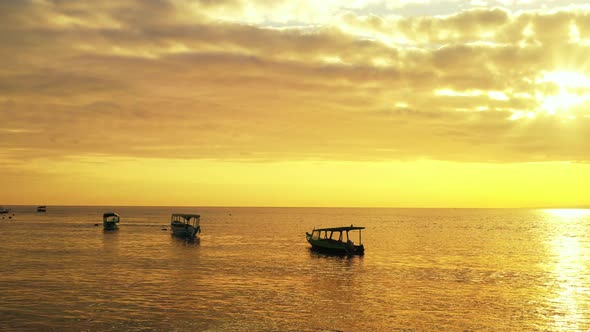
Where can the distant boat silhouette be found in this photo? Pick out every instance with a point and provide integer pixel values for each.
(110, 221)
(185, 225)
(336, 240)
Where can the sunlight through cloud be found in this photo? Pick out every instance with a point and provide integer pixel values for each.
(572, 89)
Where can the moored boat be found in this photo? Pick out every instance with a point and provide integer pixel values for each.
(42, 208)
(336, 240)
(185, 225)
(110, 221)
(4, 210)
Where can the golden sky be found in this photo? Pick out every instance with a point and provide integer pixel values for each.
(410, 103)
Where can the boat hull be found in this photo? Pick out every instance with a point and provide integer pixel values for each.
(335, 247)
(184, 230)
(110, 226)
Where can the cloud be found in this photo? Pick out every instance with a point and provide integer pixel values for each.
(166, 79)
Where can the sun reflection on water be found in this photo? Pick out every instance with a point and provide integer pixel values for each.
(566, 214)
(568, 268)
(567, 271)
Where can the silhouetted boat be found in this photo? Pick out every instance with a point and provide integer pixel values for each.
(110, 221)
(4, 210)
(42, 208)
(336, 240)
(185, 225)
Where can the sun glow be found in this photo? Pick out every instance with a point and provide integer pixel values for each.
(568, 213)
(572, 89)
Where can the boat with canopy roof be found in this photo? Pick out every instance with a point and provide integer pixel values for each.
(110, 221)
(185, 225)
(337, 240)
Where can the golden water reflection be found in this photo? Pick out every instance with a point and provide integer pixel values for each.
(569, 258)
(567, 214)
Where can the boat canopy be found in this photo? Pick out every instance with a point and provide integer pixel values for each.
(186, 218)
(339, 229)
(109, 214)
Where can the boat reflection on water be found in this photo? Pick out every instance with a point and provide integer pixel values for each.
(186, 241)
(110, 243)
(320, 254)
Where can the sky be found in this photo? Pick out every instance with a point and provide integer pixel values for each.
(411, 103)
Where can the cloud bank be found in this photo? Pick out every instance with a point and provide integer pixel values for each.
(492, 81)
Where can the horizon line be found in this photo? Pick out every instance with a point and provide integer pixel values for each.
(308, 207)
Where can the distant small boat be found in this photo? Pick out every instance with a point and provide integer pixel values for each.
(336, 240)
(110, 221)
(4, 210)
(42, 208)
(185, 225)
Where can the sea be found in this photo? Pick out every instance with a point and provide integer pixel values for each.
(252, 270)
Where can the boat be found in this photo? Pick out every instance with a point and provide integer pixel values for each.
(110, 221)
(42, 208)
(4, 210)
(336, 240)
(185, 225)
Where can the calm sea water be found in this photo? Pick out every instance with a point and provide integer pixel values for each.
(252, 270)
